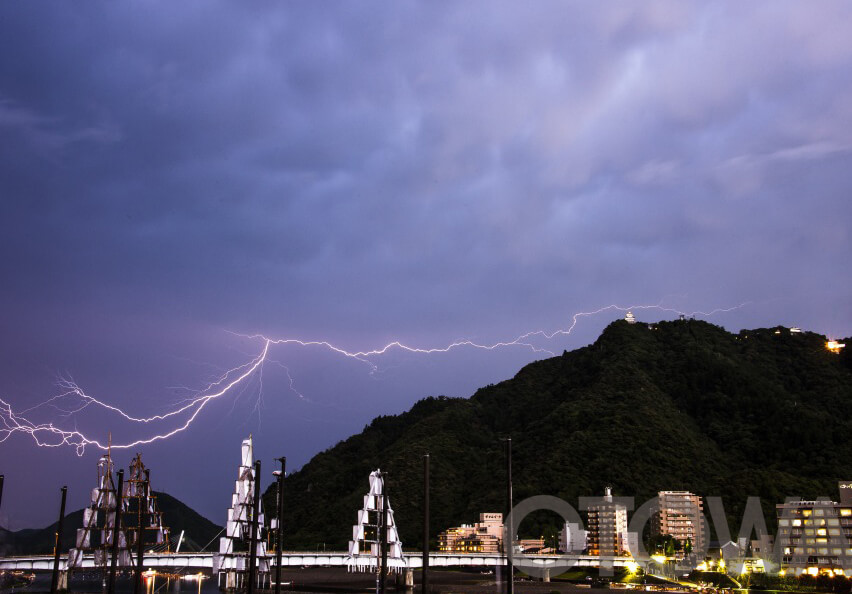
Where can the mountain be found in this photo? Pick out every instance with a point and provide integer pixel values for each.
(668, 406)
(198, 530)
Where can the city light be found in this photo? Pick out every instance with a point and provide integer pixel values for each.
(834, 346)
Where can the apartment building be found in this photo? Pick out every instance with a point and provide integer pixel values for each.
(607, 528)
(679, 514)
(815, 537)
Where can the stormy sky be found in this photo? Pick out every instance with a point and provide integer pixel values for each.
(175, 177)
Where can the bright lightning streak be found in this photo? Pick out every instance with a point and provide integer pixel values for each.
(520, 341)
(235, 379)
(49, 435)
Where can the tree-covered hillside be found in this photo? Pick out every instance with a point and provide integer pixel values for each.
(670, 406)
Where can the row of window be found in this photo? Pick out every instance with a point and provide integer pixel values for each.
(807, 512)
(813, 531)
(817, 551)
(814, 522)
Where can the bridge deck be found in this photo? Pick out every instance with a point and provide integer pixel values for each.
(414, 560)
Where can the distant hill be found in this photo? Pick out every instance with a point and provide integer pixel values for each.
(669, 406)
(198, 530)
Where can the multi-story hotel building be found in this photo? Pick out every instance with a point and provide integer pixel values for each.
(485, 536)
(607, 528)
(816, 536)
(679, 515)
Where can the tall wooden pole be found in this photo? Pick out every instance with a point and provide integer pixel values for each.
(280, 536)
(115, 534)
(254, 519)
(54, 583)
(140, 533)
(384, 536)
(507, 546)
(424, 580)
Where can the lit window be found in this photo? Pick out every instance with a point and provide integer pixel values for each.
(809, 531)
(797, 522)
(823, 551)
(819, 512)
(836, 551)
(809, 522)
(806, 512)
(846, 512)
(821, 531)
(783, 522)
(833, 522)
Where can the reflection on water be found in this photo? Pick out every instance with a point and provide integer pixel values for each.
(93, 582)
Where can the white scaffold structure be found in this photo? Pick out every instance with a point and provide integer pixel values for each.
(98, 529)
(140, 518)
(365, 547)
(230, 564)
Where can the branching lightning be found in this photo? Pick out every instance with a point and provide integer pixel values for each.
(73, 400)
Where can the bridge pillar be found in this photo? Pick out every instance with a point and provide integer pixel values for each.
(545, 576)
(62, 582)
(231, 580)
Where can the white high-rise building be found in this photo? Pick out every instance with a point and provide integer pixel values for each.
(608, 528)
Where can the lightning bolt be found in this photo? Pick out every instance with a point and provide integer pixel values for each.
(73, 400)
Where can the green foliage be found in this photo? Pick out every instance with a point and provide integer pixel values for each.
(680, 405)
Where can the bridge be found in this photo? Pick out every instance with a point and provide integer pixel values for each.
(177, 562)
(376, 517)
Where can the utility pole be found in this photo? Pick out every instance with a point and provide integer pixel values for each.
(140, 534)
(510, 570)
(2, 477)
(384, 536)
(280, 537)
(115, 533)
(424, 580)
(254, 520)
(54, 583)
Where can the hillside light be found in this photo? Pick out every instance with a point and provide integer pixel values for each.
(834, 346)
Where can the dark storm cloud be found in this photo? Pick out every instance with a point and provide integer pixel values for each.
(373, 170)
